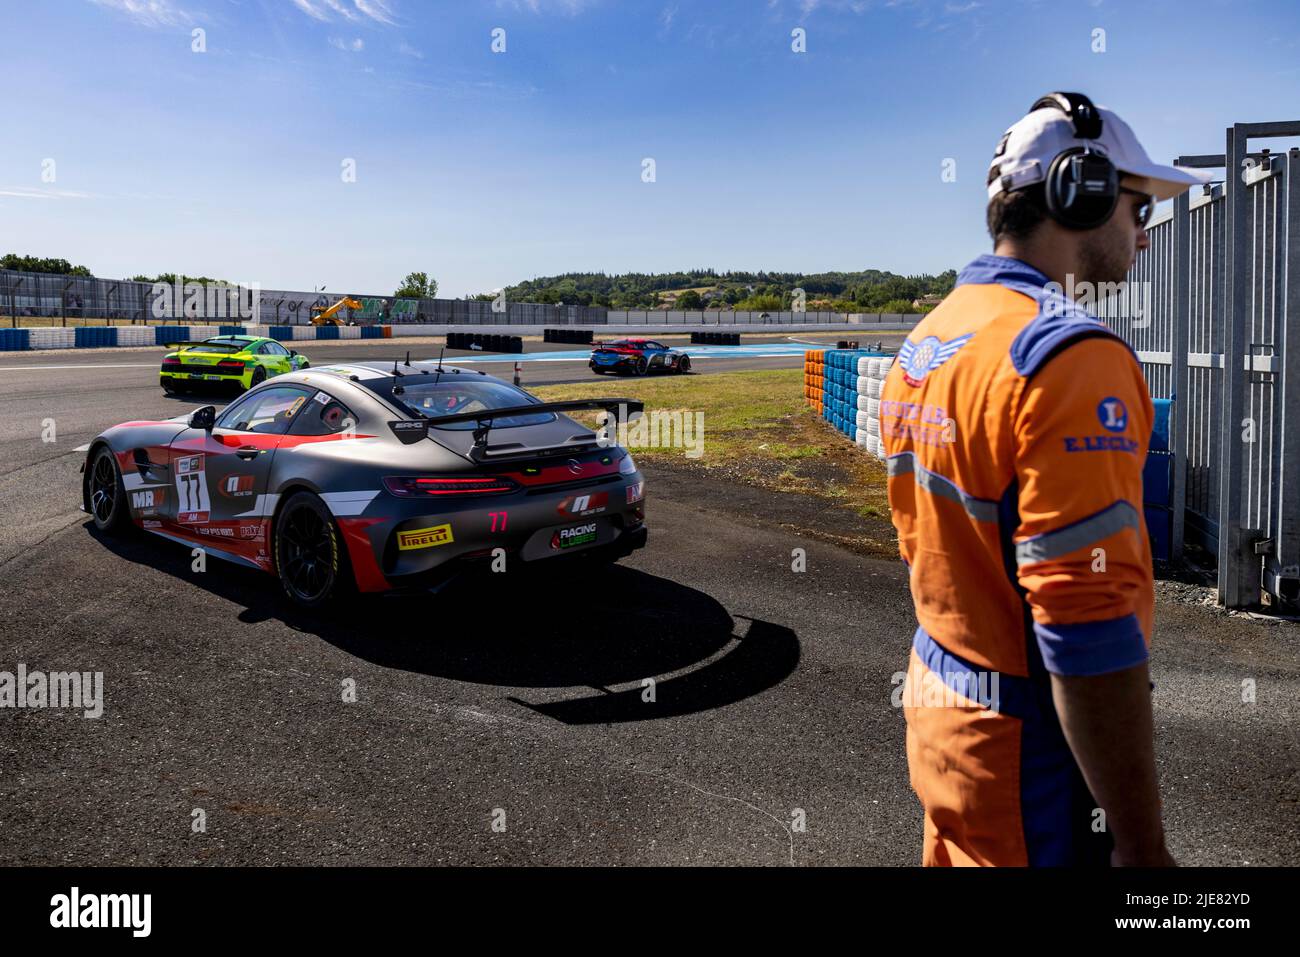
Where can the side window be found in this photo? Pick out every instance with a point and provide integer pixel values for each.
(323, 415)
(268, 411)
(275, 349)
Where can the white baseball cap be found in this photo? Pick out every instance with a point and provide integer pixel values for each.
(1026, 151)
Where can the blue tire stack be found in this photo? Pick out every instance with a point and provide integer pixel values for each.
(840, 387)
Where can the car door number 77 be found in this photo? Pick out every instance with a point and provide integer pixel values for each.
(192, 504)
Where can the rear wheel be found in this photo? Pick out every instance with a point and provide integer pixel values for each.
(168, 386)
(684, 365)
(105, 493)
(642, 367)
(259, 376)
(309, 555)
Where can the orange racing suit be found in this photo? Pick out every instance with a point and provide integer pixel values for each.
(1015, 428)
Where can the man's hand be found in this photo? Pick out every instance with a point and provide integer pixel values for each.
(1108, 725)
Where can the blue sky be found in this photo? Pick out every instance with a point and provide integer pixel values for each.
(486, 168)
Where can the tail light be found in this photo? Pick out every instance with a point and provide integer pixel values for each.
(626, 465)
(170, 361)
(230, 365)
(411, 486)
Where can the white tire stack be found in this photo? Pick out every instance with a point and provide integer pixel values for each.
(871, 379)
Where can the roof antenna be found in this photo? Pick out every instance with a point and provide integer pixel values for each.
(440, 352)
(395, 372)
(408, 357)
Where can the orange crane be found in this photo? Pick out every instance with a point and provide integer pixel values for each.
(328, 315)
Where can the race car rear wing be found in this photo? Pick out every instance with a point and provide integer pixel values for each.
(184, 345)
(410, 431)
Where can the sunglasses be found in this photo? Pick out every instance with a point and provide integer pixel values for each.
(1145, 210)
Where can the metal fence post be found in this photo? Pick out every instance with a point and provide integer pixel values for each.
(1234, 572)
(1282, 569)
(1178, 386)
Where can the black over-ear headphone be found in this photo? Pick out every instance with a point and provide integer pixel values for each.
(1082, 186)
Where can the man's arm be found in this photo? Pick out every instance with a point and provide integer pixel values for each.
(1082, 428)
(1108, 725)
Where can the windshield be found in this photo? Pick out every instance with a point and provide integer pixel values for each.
(434, 396)
(223, 346)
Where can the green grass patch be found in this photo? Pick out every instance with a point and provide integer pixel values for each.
(756, 428)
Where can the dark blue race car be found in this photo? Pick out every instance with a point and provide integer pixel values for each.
(638, 357)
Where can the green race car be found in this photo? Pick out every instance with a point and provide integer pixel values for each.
(244, 361)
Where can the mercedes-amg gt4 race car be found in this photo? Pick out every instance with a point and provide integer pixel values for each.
(243, 361)
(374, 477)
(637, 357)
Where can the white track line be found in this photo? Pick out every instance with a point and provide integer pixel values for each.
(104, 365)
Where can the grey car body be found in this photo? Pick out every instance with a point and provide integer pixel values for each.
(413, 470)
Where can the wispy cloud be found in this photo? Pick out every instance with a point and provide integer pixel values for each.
(149, 13)
(350, 46)
(406, 49)
(342, 9)
(25, 192)
(378, 11)
(313, 11)
(567, 7)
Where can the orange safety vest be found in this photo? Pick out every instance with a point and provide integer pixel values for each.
(1015, 428)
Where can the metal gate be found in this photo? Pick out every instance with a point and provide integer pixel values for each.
(1222, 279)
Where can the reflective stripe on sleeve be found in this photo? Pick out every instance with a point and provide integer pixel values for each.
(1114, 518)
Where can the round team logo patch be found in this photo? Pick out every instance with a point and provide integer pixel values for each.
(1113, 414)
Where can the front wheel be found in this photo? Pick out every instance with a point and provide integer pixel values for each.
(309, 554)
(105, 493)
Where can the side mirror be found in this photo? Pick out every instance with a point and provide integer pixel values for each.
(204, 418)
(293, 352)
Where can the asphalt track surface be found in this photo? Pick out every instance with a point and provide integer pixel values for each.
(523, 703)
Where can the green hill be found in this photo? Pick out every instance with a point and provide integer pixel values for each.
(869, 290)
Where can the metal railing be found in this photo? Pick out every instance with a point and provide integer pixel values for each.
(1222, 283)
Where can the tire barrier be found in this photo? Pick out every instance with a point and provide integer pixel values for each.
(12, 340)
(577, 337)
(715, 338)
(843, 385)
(487, 342)
(97, 337)
(871, 379)
(812, 379)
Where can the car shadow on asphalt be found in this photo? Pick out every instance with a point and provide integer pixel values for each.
(646, 647)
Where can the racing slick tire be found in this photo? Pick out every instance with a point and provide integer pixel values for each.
(311, 560)
(258, 377)
(106, 494)
(684, 365)
(642, 366)
(169, 386)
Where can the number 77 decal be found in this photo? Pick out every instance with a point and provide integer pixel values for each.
(192, 504)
